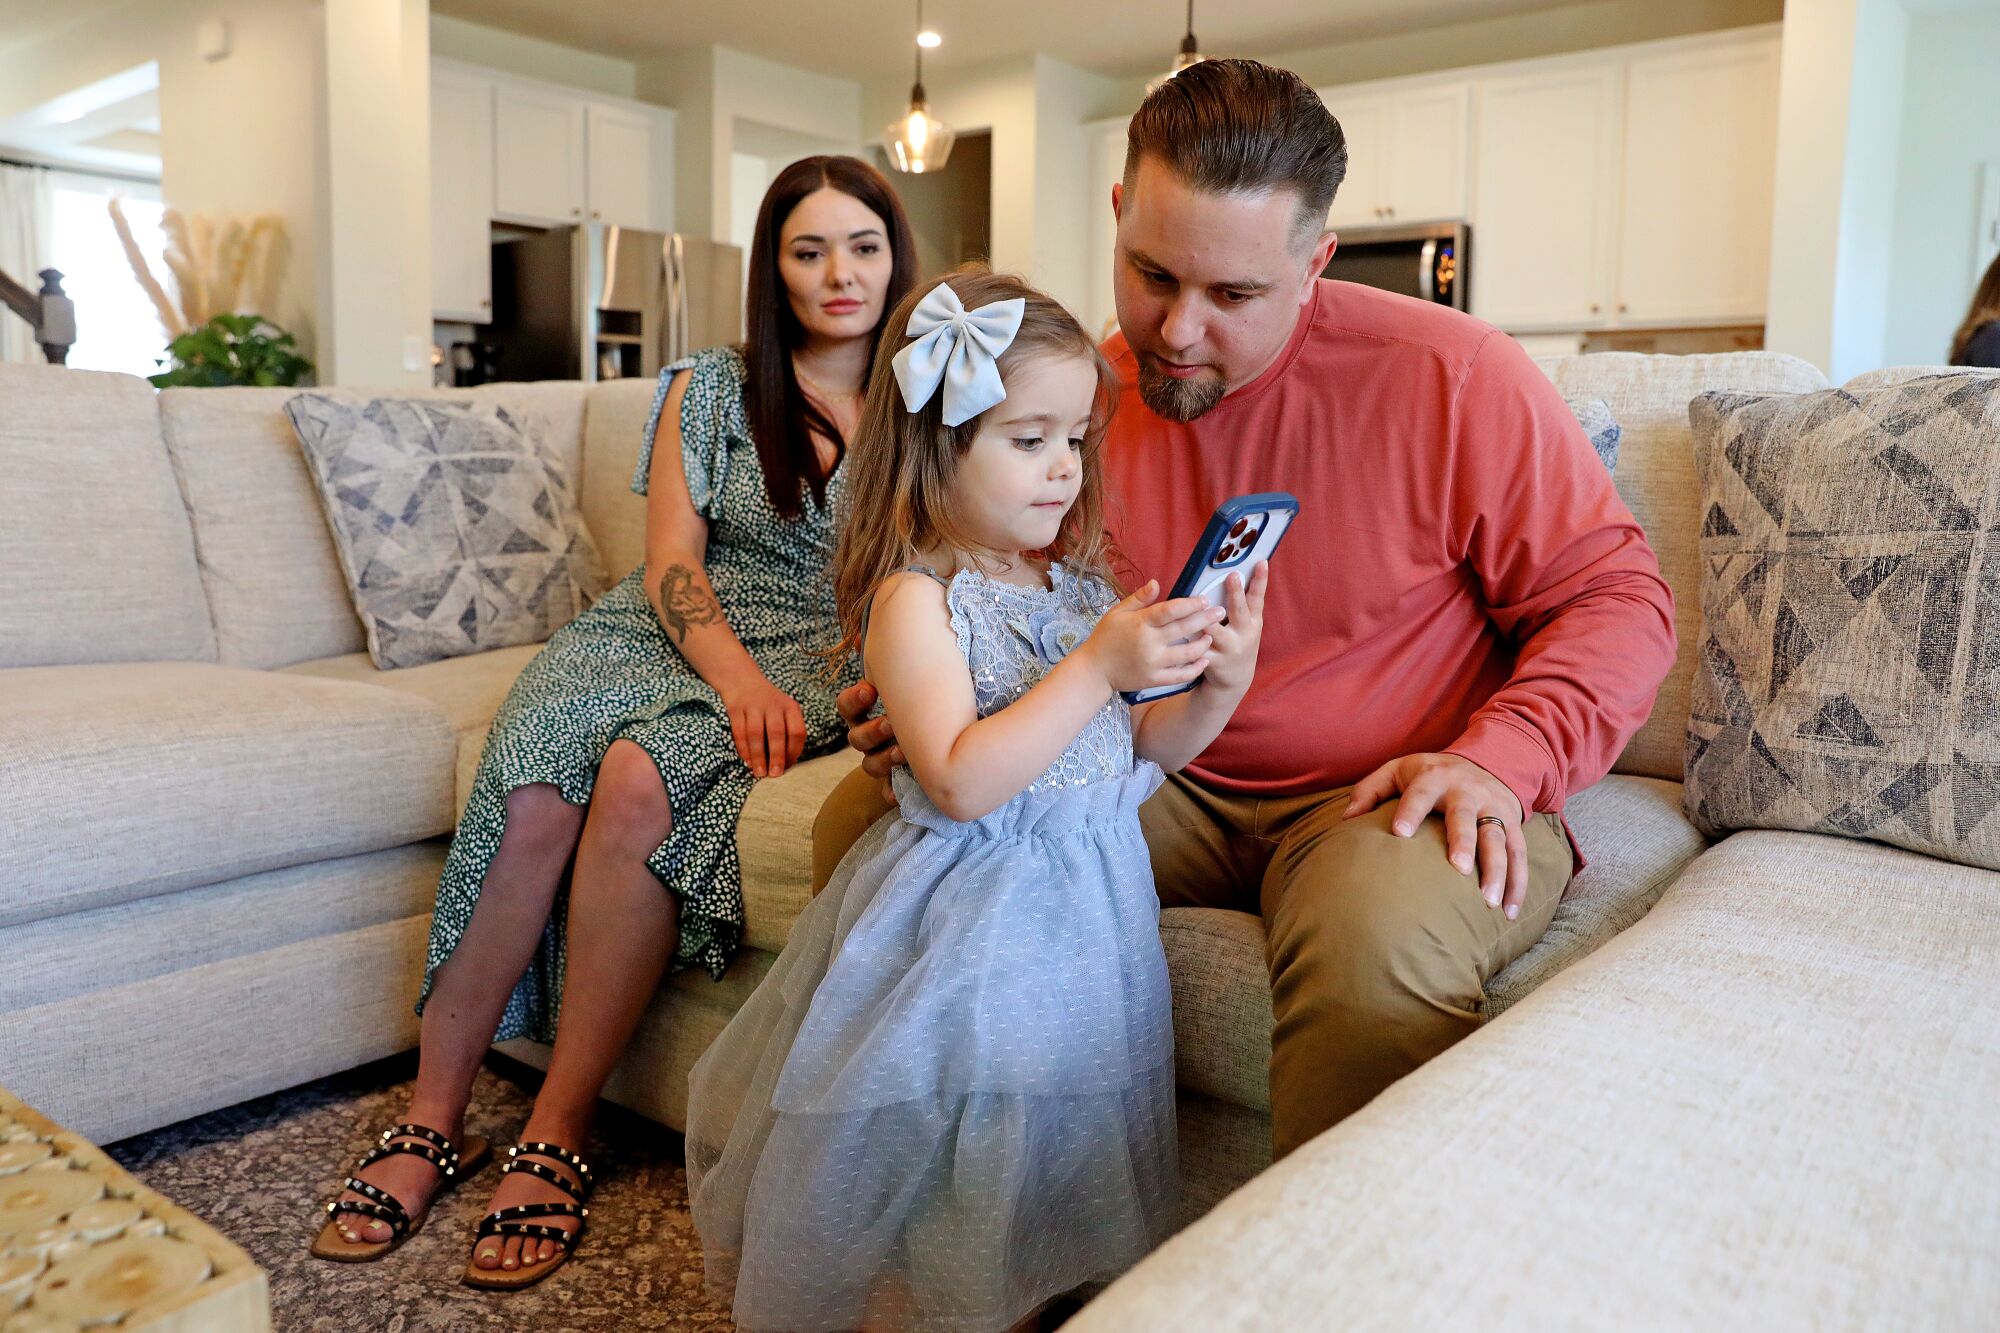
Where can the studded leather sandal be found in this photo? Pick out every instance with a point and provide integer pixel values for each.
(521, 1220)
(378, 1205)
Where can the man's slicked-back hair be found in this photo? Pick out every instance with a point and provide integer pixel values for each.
(1242, 127)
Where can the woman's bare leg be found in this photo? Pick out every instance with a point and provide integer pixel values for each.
(470, 990)
(623, 929)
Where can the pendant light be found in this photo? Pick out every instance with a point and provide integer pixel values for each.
(1190, 53)
(919, 142)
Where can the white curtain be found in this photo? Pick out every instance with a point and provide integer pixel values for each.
(27, 241)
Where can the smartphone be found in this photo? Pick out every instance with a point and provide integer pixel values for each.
(1239, 534)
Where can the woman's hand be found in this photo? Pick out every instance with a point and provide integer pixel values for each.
(768, 725)
(1139, 645)
(1233, 659)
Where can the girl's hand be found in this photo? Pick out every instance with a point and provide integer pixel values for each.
(1138, 645)
(767, 724)
(1232, 661)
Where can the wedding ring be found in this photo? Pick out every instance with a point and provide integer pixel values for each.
(1489, 819)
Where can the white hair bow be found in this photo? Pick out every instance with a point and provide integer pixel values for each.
(958, 349)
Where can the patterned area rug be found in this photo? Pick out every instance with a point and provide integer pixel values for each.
(261, 1173)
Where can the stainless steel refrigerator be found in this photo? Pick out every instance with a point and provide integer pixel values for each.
(600, 302)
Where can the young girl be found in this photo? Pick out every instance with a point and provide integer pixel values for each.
(952, 1097)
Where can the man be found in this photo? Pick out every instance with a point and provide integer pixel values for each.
(1464, 626)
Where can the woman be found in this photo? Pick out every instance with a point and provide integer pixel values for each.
(633, 738)
(1977, 342)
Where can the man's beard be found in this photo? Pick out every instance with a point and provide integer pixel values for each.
(1174, 398)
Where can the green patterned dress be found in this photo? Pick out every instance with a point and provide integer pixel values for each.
(613, 674)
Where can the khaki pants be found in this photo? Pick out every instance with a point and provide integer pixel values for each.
(1379, 951)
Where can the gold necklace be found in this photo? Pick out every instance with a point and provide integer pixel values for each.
(829, 395)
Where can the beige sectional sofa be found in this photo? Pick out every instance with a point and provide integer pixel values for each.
(223, 827)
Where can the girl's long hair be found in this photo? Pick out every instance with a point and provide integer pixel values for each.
(901, 464)
(1985, 310)
(782, 419)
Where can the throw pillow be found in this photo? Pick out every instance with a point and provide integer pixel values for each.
(1594, 415)
(457, 529)
(1850, 656)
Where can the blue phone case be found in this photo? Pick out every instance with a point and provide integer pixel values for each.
(1240, 533)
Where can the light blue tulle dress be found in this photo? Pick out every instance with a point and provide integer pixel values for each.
(952, 1097)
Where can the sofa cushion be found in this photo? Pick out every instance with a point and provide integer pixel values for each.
(1636, 839)
(124, 781)
(96, 560)
(616, 417)
(467, 690)
(267, 557)
(456, 526)
(1648, 396)
(1850, 679)
(1631, 829)
(774, 844)
(1767, 1105)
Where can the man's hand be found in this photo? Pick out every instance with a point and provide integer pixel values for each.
(1464, 793)
(876, 739)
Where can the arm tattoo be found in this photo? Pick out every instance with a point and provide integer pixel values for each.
(685, 602)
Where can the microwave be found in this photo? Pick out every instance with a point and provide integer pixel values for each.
(1430, 261)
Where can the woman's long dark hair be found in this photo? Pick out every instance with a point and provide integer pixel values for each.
(1985, 310)
(782, 418)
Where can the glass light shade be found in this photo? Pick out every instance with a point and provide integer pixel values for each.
(919, 142)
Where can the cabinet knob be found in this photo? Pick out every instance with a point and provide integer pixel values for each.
(1622, 307)
(486, 304)
(1378, 210)
(1389, 212)
(1594, 307)
(595, 215)
(576, 212)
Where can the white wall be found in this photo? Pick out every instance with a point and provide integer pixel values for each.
(1065, 97)
(722, 96)
(476, 44)
(374, 274)
(999, 96)
(1035, 108)
(1840, 96)
(1951, 128)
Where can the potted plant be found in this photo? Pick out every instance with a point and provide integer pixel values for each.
(218, 269)
(232, 349)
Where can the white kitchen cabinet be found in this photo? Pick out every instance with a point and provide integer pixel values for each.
(540, 165)
(618, 177)
(1364, 121)
(1700, 146)
(1405, 155)
(1427, 132)
(1544, 197)
(461, 197)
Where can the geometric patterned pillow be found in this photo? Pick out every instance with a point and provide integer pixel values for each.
(1594, 415)
(1849, 678)
(458, 531)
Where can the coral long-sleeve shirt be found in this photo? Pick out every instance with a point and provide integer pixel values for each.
(1461, 577)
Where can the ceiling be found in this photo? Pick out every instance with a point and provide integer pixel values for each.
(26, 20)
(861, 39)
